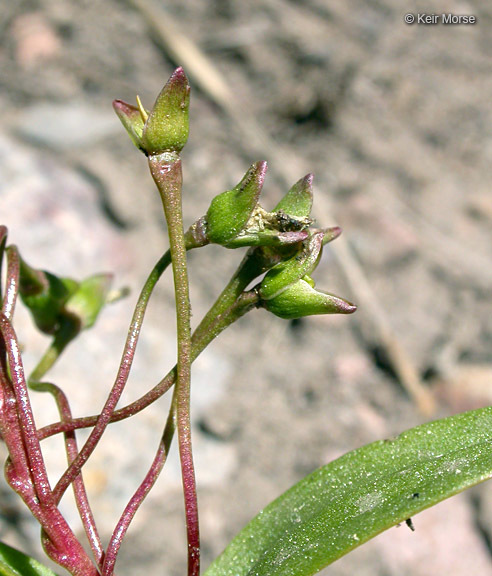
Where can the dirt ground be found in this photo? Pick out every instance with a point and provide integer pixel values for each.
(394, 120)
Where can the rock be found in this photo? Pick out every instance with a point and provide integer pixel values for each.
(65, 126)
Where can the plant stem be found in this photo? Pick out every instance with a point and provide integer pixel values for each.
(12, 282)
(26, 470)
(209, 328)
(3, 242)
(166, 171)
(65, 333)
(142, 491)
(62, 338)
(106, 415)
(242, 306)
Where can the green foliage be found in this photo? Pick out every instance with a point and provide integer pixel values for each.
(354, 498)
(15, 563)
(324, 516)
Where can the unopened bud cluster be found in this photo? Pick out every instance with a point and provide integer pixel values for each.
(282, 241)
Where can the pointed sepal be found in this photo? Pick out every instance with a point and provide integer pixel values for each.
(88, 300)
(132, 120)
(298, 201)
(230, 212)
(302, 299)
(45, 295)
(278, 278)
(166, 128)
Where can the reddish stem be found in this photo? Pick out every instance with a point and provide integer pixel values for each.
(166, 171)
(12, 282)
(103, 419)
(203, 335)
(26, 417)
(136, 500)
(26, 471)
(80, 493)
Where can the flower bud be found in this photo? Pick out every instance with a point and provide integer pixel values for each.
(298, 201)
(166, 128)
(52, 299)
(278, 278)
(236, 219)
(230, 212)
(45, 295)
(302, 299)
(86, 303)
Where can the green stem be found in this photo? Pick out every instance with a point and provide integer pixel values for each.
(167, 174)
(65, 334)
(203, 335)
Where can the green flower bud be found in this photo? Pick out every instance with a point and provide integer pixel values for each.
(236, 219)
(132, 120)
(53, 300)
(302, 299)
(86, 303)
(166, 128)
(298, 201)
(278, 278)
(230, 212)
(45, 295)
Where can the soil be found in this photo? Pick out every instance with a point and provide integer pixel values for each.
(394, 120)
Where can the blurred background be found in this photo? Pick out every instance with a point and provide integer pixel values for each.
(394, 120)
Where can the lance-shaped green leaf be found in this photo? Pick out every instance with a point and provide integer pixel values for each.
(15, 563)
(230, 211)
(354, 498)
(88, 300)
(132, 120)
(287, 273)
(45, 295)
(166, 128)
(302, 299)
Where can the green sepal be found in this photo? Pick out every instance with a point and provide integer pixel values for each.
(267, 238)
(302, 299)
(45, 295)
(298, 201)
(166, 128)
(281, 276)
(86, 303)
(235, 219)
(132, 120)
(331, 234)
(230, 212)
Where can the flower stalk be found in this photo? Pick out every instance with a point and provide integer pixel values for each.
(282, 245)
(166, 171)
